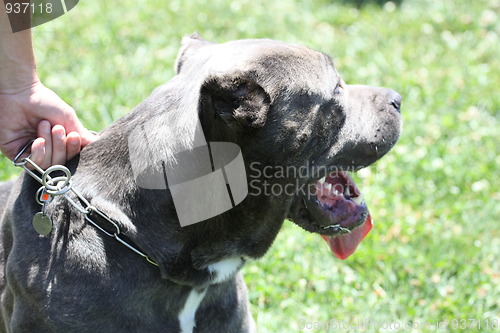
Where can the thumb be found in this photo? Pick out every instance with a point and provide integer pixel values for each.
(73, 124)
(87, 137)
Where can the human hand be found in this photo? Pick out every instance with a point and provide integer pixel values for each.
(39, 113)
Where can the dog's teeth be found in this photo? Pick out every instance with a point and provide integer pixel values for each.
(328, 187)
(322, 180)
(358, 200)
(347, 191)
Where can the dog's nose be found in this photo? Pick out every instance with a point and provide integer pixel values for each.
(395, 100)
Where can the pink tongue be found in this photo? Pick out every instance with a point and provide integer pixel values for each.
(345, 245)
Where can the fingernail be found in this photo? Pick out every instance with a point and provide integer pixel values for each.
(46, 127)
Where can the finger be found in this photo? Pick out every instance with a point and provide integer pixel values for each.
(73, 145)
(73, 124)
(87, 137)
(37, 152)
(44, 131)
(58, 145)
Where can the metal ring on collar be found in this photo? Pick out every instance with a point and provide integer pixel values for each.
(38, 194)
(18, 161)
(53, 186)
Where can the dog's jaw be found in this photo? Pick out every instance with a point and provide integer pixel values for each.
(335, 209)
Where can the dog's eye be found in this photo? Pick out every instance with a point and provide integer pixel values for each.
(338, 89)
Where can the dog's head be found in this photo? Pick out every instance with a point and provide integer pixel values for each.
(290, 111)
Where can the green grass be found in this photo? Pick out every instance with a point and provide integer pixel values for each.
(434, 251)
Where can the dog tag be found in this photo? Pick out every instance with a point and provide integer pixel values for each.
(42, 224)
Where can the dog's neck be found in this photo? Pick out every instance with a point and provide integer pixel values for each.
(105, 176)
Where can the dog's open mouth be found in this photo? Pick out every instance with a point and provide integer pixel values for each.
(335, 209)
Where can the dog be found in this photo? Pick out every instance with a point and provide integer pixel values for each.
(282, 106)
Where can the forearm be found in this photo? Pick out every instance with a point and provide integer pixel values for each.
(17, 60)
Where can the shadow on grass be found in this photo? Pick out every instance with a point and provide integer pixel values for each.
(362, 3)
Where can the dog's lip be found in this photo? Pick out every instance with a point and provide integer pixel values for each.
(336, 201)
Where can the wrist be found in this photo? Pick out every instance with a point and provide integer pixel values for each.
(17, 79)
(17, 60)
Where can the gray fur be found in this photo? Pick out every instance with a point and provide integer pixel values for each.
(276, 101)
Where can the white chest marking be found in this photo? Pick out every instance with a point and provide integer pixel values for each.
(222, 270)
(225, 269)
(188, 312)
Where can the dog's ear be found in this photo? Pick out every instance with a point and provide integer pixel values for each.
(190, 46)
(237, 99)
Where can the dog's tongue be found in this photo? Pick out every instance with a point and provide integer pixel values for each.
(344, 245)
